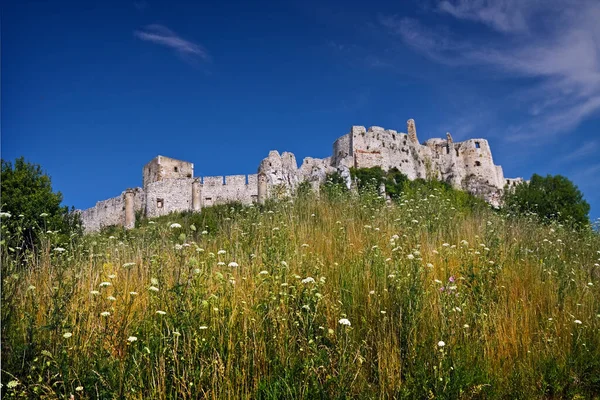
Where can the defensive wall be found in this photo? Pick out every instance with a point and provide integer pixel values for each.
(169, 184)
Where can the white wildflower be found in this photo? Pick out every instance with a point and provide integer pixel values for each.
(103, 284)
(105, 313)
(344, 321)
(221, 252)
(67, 335)
(175, 225)
(308, 280)
(233, 264)
(131, 339)
(161, 312)
(441, 343)
(153, 288)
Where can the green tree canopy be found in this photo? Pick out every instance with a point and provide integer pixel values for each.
(29, 204)
(551, 197)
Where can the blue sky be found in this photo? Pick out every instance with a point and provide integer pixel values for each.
(92, 90)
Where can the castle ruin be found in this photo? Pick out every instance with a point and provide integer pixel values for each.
(169, 185)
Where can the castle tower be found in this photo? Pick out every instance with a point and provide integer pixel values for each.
(161, 168)
(262, 188)
(196, 195)
(129, 212)
(411, 129)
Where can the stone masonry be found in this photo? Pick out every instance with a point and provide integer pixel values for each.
(169, 185)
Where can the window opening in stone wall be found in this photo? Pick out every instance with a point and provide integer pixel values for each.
(477, 145)
(477, 164)
(447, 149)
(175, 169)
(189, 175)
(456, 152)
(160, 203)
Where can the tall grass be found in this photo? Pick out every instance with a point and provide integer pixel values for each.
(341, 298)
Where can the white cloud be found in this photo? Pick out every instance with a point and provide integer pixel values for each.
(161, 35)
(556, 43)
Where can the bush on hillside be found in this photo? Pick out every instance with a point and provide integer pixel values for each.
(30, 206)
(552, 198)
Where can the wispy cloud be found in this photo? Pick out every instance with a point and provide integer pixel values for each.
(588, 148)
(554, 42)
(161, 35)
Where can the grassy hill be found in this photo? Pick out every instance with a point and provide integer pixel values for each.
(343, 297)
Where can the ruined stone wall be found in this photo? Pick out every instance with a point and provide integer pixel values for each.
(224, 189)
(166, 196)
(388, 149)
(162, 168)
(466, 165)
(111, 212)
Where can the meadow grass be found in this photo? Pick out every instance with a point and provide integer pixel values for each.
(342, 297)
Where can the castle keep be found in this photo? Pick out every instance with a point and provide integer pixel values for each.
(169, 185)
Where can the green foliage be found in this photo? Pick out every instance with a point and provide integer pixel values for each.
(334, 186)
(551, 198)
(369, 179)
(28, 197)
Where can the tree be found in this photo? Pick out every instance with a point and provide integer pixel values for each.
(550, 197)
(29, 205)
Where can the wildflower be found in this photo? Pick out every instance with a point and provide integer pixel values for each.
(153, 288)
(79, 388)
(203, 327)
(105, 284)
(308, 280)
(94, 292)
(128, 265)
(344, 321)
(105, 313)
(131, 339)
(285, 264)
(233, 264)
(410, 257)
(5, 215)
(112, 276)
(111, 298)
(160, 312)
(175, 225)
(263, 273)
(221, 252)
(466, 326)
(67, 335)
(372, 292)
(446, 244)
(441, 343)
(382, 311)
(391, 276)
(304, 245)
(133, 293)
(205, 232)
(220, 263)
(59, 250)
(43, 215)
(178, 246)
(590, 284)
(31, 287)
(154, 281)
(464, 242)
(451, 279)
(12, 384)
(429, 265)
(578, 322)
(437, 281)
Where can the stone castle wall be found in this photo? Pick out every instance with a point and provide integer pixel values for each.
(169, 185)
